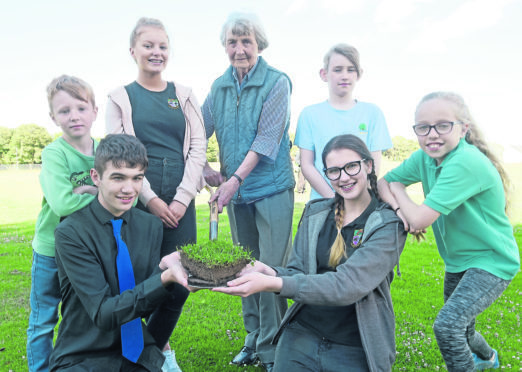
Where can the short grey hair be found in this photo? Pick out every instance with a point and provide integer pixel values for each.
(145, 22)
(245, 24)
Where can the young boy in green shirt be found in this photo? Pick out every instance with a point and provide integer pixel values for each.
(67, 187)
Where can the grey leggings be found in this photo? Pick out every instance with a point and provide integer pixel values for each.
(466, 295)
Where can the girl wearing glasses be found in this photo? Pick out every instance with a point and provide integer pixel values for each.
(339, 273)
(464, 187)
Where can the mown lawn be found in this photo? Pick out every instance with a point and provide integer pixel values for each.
(210, 330)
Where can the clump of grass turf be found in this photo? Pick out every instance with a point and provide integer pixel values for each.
(214, 253)
(214, 262)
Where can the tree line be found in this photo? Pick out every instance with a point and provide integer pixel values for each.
(24, 145)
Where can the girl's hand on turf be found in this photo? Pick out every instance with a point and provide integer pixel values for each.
(257, 267)
(251, 283)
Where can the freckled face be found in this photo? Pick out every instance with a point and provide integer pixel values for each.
(434, 111)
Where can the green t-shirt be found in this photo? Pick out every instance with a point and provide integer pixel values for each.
(473, 230)
(63, 169)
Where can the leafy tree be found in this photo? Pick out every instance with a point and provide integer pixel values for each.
(402, 149)
(213, 149)
(5, 138)
(27, 143)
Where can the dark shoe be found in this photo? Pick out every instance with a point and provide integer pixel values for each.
(246, 357)
(269, 367)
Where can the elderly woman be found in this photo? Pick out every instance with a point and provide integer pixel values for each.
(249, 108)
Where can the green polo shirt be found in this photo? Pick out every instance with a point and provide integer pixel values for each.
(473, 230)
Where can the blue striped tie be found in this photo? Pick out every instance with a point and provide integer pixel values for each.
(131, 332)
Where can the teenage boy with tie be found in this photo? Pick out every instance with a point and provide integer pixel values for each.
(107, 255)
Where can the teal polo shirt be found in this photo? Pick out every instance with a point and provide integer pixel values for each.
(473, 230)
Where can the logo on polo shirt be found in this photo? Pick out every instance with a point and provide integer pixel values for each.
(173, 102)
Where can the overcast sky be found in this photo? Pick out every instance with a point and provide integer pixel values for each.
(408, 48)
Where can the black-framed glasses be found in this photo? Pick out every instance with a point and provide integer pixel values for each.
(352, 169)
(444, 127)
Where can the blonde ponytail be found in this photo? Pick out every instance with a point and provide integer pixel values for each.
(338, 249)
(474, 137)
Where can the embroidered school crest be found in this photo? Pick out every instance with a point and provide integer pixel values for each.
(173, 102)
(357, 236)
(362, 127)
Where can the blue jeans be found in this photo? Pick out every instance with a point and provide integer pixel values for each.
(299, 349)
(45, 298)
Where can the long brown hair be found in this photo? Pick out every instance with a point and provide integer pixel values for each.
(354, 143)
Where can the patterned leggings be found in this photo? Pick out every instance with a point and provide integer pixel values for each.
(466, 295)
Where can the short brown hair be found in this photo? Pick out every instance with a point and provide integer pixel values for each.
(123, 150)
(73, 86)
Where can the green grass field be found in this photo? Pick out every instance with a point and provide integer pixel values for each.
(210, 330)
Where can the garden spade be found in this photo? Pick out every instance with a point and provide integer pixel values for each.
(214, 217)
